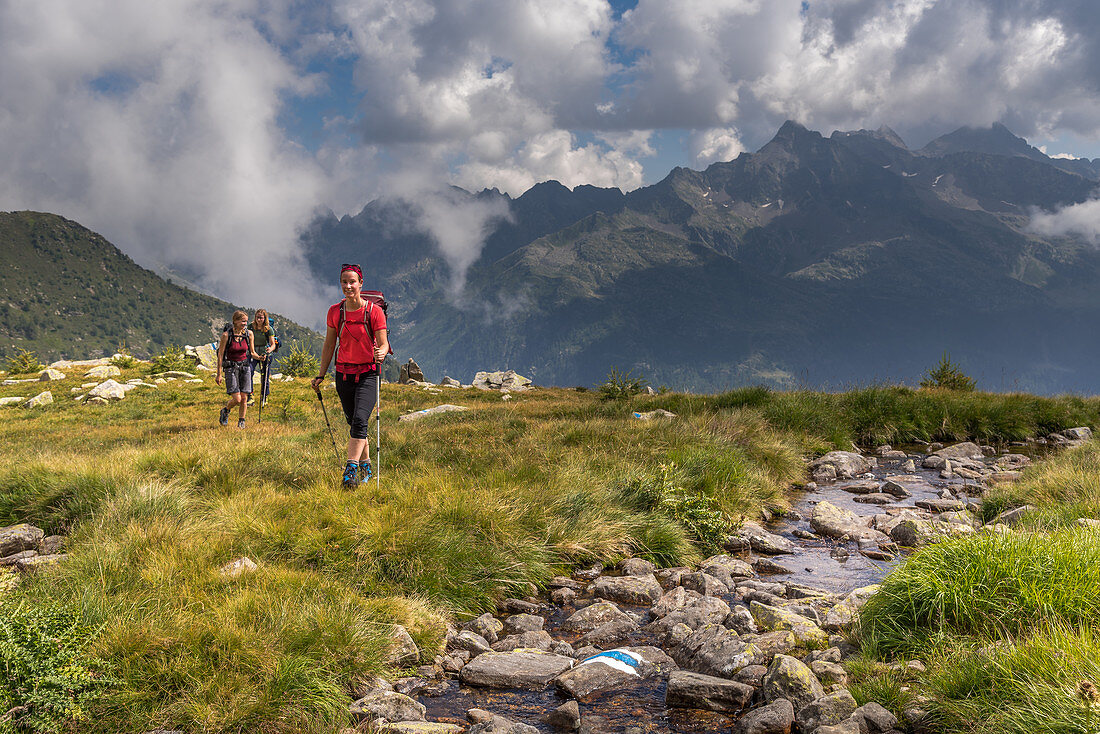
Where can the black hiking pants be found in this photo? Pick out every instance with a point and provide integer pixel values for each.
(357, 396)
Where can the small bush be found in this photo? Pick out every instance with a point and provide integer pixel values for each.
(947, 375)
(698, 512)
(619, 385)
(171, 359)
(124, 361)
(49, 680)
(299, 362)
(23, 362)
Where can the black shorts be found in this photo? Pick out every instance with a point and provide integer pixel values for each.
(358, 394)
(238, 377)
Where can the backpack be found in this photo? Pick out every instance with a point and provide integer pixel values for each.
(373, 299)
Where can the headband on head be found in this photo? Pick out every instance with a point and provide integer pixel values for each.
(354, 268)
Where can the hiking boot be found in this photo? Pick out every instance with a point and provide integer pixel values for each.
(351, 475)
(366, 471)
(223, 417)
(251, 401)
(240, 423)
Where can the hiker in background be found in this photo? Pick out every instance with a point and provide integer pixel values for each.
(263, 337)
(234, 351)
(359, 328)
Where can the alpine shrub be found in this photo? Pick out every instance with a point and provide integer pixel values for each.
(170, 359)
(947, 375)
(300, 362)
(48, 679)
(124, 361)
(23, 362)
(620, 385)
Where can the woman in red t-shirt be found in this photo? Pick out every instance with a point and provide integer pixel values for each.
(360, 328)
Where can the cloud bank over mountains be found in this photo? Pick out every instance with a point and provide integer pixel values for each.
(165, 125)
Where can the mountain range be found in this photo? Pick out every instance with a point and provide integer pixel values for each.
(814, 261)
(66, 292)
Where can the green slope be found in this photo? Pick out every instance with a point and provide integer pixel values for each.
(66, 292)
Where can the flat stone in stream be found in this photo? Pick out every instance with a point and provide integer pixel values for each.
(940, 505)
(762, 541)
(594, 616)
(388, 705)
(846, 464)
(830, 520)
(640, 590)
(698, 691)
(868, 486)
(526, 669)
(876, 498)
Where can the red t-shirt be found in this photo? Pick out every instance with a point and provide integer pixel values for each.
(355, 351)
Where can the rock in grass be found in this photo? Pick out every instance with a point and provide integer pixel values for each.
(49, 375)
(828, 710)
(697, 691)
(39, 400)
(18, 538)
(238, 567)
(1010, 517)
(110, 390)
(843, 614)
(776, 717)
(829, 673)
(417, 415)
(403, 650)
(640, 590)
(102, 372)
(13, 400)
(876, 719)
(770, 618)
(527, 669)
(793, 680)
(388, 705)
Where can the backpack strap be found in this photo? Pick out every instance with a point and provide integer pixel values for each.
(366, 322)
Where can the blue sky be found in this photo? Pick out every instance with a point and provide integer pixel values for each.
(185, 129)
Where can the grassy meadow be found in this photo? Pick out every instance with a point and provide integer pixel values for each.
(473, 506)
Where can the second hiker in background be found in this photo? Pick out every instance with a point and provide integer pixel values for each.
(234, 351)
(263, 337)
(356, 336)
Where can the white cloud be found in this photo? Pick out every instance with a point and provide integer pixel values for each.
(716, 144)
(1080, 219)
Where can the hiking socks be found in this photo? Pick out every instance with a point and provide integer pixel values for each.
(351, 474)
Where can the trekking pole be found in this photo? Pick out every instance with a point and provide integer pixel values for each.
(378, 432)
(260, 410)
(331, 437)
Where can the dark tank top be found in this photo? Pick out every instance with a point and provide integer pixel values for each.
(236, 348)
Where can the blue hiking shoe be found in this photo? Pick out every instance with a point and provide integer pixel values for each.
(223, 417)
(366, 471)
(351, 475)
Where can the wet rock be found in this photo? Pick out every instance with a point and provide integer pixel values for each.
(519, 623)
(909, 466)
(932, 461)
(525, 669)
(964, 450)
(740, 620)
(791, 679)
(769, 618)
(834, 522)
(640, 590)
(824, 473)
(592, 677)
(471, 642)
(715, 650)
(637, 567)
(876, 719)
(762, 541)
(564, 582)
(697, 691)
(894, 489)
(844, 614)
(776, 717)
(868, 486)
(566, 717)
(940, 505)
(593, 617)
(703, 583)
(768, 567)
(487, 626)
(403, 651)
(610, 634)
(537, 640)
(563, 597)
(387, 705)
(21, 537)
(846, 464)
(828, 710)
(878, 498)
(727, 569)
